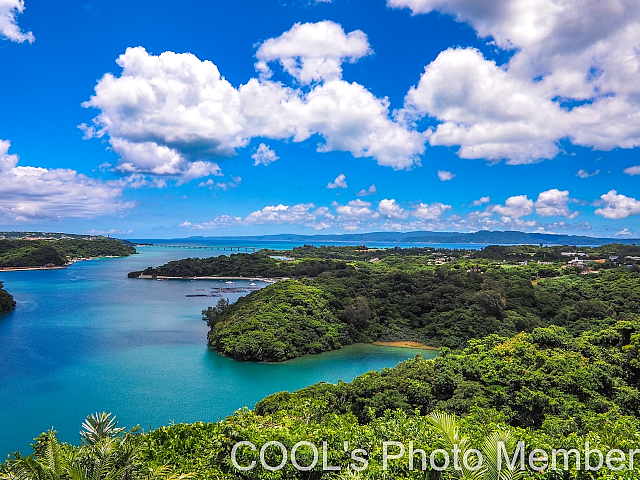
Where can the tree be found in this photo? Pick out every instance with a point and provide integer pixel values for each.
(213, 315)
(359, 314)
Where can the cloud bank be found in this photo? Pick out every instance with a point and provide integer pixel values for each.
(573, 76)
(9, 29)
(32, 193)
(389, 214)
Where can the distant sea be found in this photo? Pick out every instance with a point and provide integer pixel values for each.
(88, 339)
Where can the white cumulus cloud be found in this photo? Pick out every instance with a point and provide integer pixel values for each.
(9, 28)
(616, 206)
(554, 203)
(357, 210)
(515, 207)
(433, 211)
(444, 176)
(635, 170)
(339, 182)
(575, 75)
(484, 110)
(234, 183)
(389, 208)
(372, 190)
(480, 201)
(165, 112)
(585, 174)
(300, 214)
(264, 155)
(313, 51)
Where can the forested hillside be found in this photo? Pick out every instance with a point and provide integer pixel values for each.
(37, 253)
(6, 300)
(408, 296)
(547, 353)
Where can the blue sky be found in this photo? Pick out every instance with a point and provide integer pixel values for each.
(152, 119)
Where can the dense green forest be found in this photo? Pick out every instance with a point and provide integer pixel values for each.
(6, 301)
(37, 253)
(439, 298)
(310, 261)
(548, 388)
(546, 353)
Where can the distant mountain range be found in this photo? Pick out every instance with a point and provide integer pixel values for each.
(481, 237)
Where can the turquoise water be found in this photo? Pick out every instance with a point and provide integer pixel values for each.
(88, 339)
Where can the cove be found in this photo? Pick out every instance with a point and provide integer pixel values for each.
(88, 339)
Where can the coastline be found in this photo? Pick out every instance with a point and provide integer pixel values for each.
(26, 269)
(57, 267)
(406, 344)
(253, 279)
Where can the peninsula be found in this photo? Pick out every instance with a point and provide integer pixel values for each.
(47, 253)
(336, 296)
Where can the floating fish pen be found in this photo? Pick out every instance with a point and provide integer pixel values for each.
(203, 295)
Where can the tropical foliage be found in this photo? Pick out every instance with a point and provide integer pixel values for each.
(410, 297)
(546, 389)
(284, 321)
(538, 380)
(106, 453)
(533, 352)
(6, 300)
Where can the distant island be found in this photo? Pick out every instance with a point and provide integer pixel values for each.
(333, 296)
(56, 253)
(483, 237)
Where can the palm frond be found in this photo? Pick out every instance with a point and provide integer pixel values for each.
(491, 450)
(447, 425)
(99, 426)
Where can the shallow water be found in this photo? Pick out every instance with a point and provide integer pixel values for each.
(88, 339)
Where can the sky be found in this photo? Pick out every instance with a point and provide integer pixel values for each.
(166, 119)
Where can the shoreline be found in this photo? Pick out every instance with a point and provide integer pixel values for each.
(26, 269)
(58, 267)
(253, 279)
(401, 344)
(406, 344)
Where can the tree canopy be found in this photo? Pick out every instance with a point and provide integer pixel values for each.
(6, 300)
(412, 296)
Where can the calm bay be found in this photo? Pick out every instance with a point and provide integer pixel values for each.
(87, 339)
